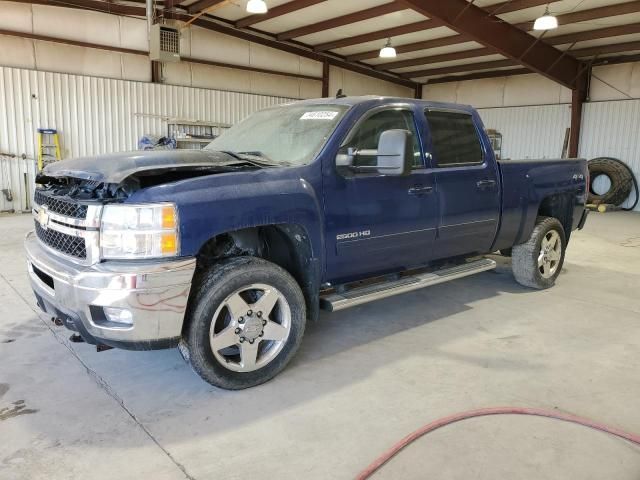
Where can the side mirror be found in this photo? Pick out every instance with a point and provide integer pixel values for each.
(395, 152)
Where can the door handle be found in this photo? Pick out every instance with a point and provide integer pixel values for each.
(485, 184)
(420, 190)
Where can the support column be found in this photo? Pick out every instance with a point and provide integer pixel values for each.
(577, 99)
(325, 78)
(417, 93)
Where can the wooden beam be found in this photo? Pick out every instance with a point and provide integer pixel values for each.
(508, 40)
(202, 5)
(347, 19)
(278, 11)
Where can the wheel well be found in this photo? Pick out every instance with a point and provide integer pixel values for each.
(286, 245)
(560, 207)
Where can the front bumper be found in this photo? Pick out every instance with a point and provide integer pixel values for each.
(155, 292)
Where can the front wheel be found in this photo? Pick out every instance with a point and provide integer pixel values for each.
(538, 262)
(245, 324)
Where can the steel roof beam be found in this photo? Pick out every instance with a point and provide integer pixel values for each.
(484, 51)
(278, 11)
(565, 19)
(347, 19)
(508, 40)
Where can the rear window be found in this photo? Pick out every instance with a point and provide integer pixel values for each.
(454, 138)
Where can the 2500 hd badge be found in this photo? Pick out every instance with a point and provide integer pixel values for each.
(352, 235)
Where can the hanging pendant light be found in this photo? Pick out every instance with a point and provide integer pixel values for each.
(256, 6)
(546, 21)
(388, 51)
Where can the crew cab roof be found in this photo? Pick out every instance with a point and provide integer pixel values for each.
(376, 100)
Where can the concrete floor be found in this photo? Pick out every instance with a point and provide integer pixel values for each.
(363, 379)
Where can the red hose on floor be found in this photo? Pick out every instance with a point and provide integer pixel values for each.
(566, 417)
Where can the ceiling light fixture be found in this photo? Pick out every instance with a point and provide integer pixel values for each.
(388, 51)
(546, 21)
(256, 6)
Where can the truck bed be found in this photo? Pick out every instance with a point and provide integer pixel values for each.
(527, 183)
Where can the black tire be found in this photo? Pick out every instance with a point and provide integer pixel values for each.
(505, 252)
(524, 257)
(618, 173)
(215, 285)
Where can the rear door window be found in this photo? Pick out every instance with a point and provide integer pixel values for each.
(454, 138)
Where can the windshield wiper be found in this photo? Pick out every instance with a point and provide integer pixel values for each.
(255, 158)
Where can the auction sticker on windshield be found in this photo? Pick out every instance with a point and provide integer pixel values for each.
(319, 116)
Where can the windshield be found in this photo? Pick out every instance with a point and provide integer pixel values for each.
(290, 135)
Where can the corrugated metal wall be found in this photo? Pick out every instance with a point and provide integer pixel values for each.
(529, 132)
(97, 115)
(609, 129)
(612, 129)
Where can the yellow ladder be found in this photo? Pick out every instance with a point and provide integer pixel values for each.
(48, 147)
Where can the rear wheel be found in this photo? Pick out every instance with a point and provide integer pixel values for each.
(538, 262)
(246, 323)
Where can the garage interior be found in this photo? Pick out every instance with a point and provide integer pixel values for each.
(86, 77)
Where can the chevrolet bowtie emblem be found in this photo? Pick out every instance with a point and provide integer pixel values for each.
(43, 217)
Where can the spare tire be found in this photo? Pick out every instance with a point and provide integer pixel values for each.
(619, 175)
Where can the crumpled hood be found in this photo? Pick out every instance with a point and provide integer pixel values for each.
(115, 167)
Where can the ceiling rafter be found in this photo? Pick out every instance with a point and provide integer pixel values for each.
(564, 19)
(483, 51)
(584, 15)
(500, 8)
(277, 11)
(379, 35)
(559, 39)
(520, 71)
(200, 5)
(508, 40)
(347, 19)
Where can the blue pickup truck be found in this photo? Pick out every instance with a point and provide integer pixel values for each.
(227, 252)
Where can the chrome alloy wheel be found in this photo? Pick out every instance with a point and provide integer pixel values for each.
(250, 328)
(550, 254)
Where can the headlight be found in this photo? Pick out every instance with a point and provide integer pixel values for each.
(139, 231)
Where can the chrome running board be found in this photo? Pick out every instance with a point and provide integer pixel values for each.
(350, 298)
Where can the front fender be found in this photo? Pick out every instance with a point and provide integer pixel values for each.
(212, 205)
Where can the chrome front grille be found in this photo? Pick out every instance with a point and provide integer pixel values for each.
(61, 242)
(64, 207)
(68, 229)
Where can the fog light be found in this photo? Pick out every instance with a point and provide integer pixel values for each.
(118, 315)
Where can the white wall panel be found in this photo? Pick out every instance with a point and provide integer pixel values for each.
(99, 115)
(529, 132)
(612, 129)
(353, 84)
